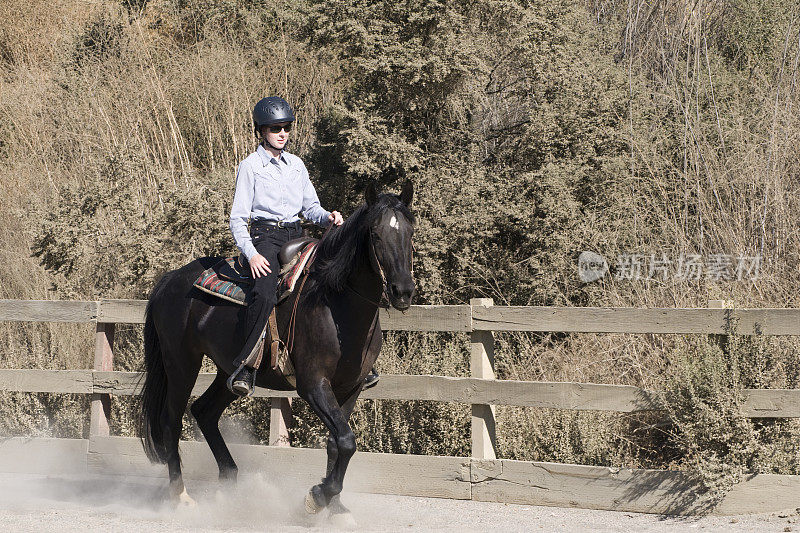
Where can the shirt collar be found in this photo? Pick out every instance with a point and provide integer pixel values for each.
(266, 157)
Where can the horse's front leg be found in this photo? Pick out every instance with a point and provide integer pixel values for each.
(341, 445)
(347, 409)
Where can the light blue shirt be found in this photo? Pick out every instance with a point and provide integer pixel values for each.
(275, 189)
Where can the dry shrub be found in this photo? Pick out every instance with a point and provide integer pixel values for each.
(704, 395)
(35, 32)
(581, 437)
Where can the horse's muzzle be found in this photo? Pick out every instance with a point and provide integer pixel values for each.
(400, 295)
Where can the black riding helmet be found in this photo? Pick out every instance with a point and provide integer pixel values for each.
(271, 110)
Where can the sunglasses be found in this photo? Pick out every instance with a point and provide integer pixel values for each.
(277, 128)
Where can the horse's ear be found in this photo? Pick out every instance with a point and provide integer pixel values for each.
(407, 194)
(371, 194)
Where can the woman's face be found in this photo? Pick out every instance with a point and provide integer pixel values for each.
(276, 134)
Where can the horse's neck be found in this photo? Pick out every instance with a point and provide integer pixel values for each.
(365, 283)
(355, 309)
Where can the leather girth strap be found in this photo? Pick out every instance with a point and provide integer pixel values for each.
(276, 343)
(256, 356)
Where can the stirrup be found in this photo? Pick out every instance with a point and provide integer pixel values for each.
(232, 378)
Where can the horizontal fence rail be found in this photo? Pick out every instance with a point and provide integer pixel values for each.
(466, 318)
(48, 311)
(629, 320)
(759, 403)
(482, 477)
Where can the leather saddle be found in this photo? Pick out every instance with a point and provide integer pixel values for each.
(239, 271)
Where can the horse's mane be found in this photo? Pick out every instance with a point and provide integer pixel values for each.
(341, 247)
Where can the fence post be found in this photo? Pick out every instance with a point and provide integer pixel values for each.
(720, 340)
(484, 438)
(103, 361)
(280, 420)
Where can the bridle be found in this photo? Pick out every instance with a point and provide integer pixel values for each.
(376, 264)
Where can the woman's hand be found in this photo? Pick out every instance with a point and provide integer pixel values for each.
(259, 266)
(336, 218)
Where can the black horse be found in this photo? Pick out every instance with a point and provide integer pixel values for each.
(336, 341)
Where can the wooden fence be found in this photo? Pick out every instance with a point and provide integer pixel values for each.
(480, 477)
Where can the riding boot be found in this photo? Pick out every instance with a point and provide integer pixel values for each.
(243, 381)
(371, 379)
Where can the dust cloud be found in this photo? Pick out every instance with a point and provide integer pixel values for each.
(73, 499)
(143, 503)
(80, 502)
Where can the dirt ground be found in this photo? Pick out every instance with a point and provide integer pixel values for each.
(39, 503)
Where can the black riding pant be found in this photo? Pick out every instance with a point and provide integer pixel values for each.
(268, 241)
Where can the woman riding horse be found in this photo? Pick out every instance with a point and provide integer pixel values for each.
(337, 338)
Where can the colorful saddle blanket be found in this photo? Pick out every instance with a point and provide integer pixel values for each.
(230, 280)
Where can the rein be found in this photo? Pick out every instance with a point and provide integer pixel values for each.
(370, 300)
(293, 316)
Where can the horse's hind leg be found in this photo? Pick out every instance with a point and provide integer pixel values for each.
(207, 410)
(179, 387)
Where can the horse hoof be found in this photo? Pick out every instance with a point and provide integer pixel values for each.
(343, 520)
(185, 501)
(311, 505)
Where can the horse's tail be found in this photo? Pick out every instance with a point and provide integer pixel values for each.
(154, 392)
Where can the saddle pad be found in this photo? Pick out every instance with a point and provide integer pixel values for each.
(211, 282)
(227, 280)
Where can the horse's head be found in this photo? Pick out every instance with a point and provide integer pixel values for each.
(390, 244)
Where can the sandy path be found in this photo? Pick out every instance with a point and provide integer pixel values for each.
(36, 503)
